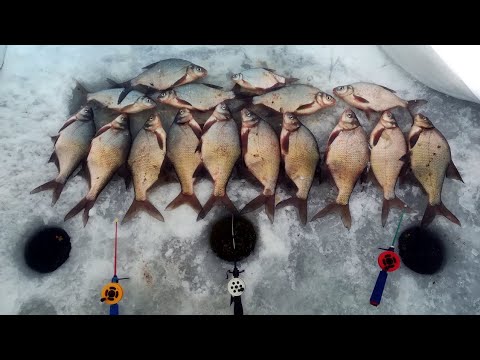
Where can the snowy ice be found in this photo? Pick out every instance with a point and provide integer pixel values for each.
(321, 268)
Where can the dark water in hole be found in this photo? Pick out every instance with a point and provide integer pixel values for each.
(421, 250)
(47, 249)
(221, 238)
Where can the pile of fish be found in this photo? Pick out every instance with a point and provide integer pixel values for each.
(219, 145)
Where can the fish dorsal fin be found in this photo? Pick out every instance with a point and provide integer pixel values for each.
(359, 98)
(271, 70)
(392, 91)
(150, 66)
(213, 86)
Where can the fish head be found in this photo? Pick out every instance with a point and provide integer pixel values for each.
(85, 114)
(388, 120)
(249, 118)
(153, 123)
(237, 77)
(422, 121)
(221, 112)
(183, 116)
(165, 96)
(349, 120)
(343, 90)
(120, 122)
(325, 100)
(196, 71)
(290, 122)
(145, 102)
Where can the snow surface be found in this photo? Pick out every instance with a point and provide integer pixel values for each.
(318, 269)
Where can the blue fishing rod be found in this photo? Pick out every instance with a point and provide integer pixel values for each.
(112, 292)
(388, 261)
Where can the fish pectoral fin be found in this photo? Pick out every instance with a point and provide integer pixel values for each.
(392, 91)
(208, 124)
(360, 99)
(150, 66)
(412, 140)
(244, 139)
(67, 123)
(331, 138)
(285, 142)
(180, 81)
(305, 106)
(195, 128)
(161, 138)
(376, 135)
(184, 102)
(103, 129)
(213, 86)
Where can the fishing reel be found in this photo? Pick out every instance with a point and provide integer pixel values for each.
(112, 293)
(236, 287)
(388, 261)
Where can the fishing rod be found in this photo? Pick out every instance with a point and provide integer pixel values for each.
(388, 261)
(112, 292)
(235, 286)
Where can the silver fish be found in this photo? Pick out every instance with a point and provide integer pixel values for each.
(71, 148)
(108, 152)
(134, 102)
(202, 97)
(297, 99)
(164, 74)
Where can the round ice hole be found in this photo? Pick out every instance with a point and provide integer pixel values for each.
(47, 249)
(421, 250)
(221, 238)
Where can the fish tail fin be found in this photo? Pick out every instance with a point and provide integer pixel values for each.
(433, 210)
(290, 80)
(412, 104)
(142, 205)
(300, 204)
(268, 200)
(334, 207)
(215, 200)
(55, 185)
(388, 204)
(84, 204)
(188, 199)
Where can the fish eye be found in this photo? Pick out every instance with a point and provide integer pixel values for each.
(199, 69)
(329, 97)
(389, 115)
(248, 114)
(340, 88)
(349, 115)
(290, 117)
(151, 118)
(181, 112)
(163, 94)
(224, 107)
